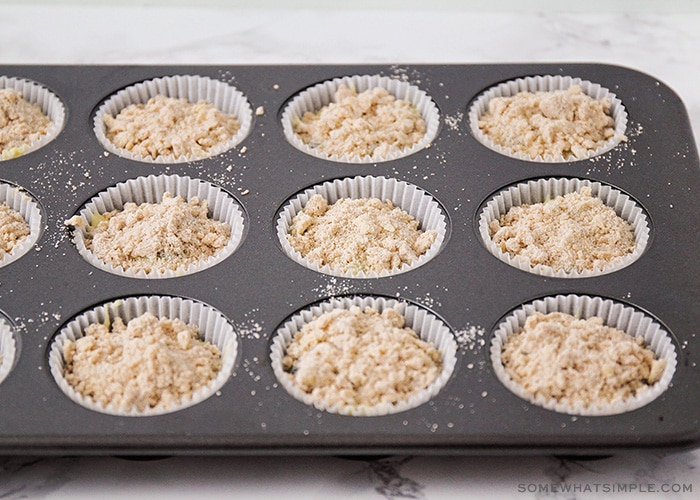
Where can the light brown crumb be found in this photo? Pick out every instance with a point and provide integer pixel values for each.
(372, 123)
(13, 229)
(149, 363)
(166, 126)
(563, 123)
(579, 361)
(259, 111)
(170, 235)
(572, 232)
(358, 235)
(21, 122)
(360, 358)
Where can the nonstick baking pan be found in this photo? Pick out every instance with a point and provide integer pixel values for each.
(258, 287)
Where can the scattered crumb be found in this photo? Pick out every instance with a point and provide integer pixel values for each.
(453, 122)
(470, 338)
(259, 111)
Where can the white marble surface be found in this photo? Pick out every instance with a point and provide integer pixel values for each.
(663, 41)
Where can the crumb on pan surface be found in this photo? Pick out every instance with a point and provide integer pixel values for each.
(360, 358)
(576, 231)
(148, 363)
(155, 237)
(358, 235)
(579, 361)
(167, 126)
(21, 122)
(562, 123)
(371, 123)
(13, 229)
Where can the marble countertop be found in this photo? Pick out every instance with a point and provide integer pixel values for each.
(663, 43)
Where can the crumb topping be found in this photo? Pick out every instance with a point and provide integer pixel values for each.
(358, 235)
(579, 361)
(13, 229)
(562, 123)
(149, 363)
(166, 126)
(360, 358)
(372, 123)
(21, 122)
(576, 231)
(155, 237)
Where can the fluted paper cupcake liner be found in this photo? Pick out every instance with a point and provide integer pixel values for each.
(213, 327)
(410, 198)
(428, 327)
(541, 190)
(547, 83)
(223, 96)
(19, 201)
(7, 349)
(322, 94)
(49, 103)
(222, 207)
(614, 314)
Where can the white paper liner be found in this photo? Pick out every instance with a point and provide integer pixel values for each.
(547, 83)
(49, 103)
(19, 201)
(222, 207)
(226, 98)
(614, 314)
(8, 349)
(212, 325)
(428, 327)
(412, 199)
(540, 190)
(321, 94)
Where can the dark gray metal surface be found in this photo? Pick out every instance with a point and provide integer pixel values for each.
(258, 286)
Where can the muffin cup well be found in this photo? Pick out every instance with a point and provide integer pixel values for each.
(193, 88)
(322, 94)
(541, 190)
(212, 325)
(547, 83)
(412, 199)
(428, 327)
(614, 314)
(19, 201)
(222, 207)
(49, 103)
(8, 349)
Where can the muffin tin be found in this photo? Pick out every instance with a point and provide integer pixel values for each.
(258, 288)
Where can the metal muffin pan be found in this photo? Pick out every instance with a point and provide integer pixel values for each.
(258, 287)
